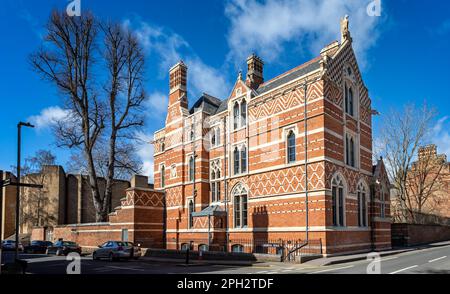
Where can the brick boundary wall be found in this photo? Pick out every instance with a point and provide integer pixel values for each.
(410, 235)
(141, 215)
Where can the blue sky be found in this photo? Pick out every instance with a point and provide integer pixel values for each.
(403, 54)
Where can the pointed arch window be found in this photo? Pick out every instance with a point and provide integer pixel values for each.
(236, 115)
(236, 161)
(244, 159)
(215, 181)
(243, 113)
(240, 207)
(338, 201)
(291, 156)
(349, 100)
(362, 205)
(350, 151)
(191, 168)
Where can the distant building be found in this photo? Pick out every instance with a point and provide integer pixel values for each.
(64, 199)
(428, 189)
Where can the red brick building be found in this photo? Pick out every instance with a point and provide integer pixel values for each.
(284, 159)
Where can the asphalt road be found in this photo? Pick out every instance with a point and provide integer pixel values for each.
(428, 261)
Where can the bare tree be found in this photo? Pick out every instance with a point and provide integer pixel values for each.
(80, 51)
(125, 61)
(402, 134)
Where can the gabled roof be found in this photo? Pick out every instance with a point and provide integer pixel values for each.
(290, 75)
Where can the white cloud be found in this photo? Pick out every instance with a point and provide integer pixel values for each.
(266, 26)
(48, 117)
(441, 135)
(145, 152)
(169, 48)
(157, 104)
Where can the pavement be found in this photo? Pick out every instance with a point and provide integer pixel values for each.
(363, 256)
(424, 260)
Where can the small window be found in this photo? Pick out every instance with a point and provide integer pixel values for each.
(163, 147)
(362, 206)
(185, 246)
(203, 248)
(291, 147)
(173, 171)
(163, 176)
(191, 217)
(237, 248)
(191, 169)
(350, 151)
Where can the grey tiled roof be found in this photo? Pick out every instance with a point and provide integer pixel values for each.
(214, 105)
(301, 71)
(206, 103)
(210, 211)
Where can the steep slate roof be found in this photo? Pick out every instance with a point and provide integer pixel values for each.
(206, 103)
(290, 76)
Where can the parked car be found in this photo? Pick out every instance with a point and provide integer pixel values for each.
(116, 250)
(38, 247)
(63, 248)
(10, 245)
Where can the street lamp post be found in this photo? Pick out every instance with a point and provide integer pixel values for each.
(19, 128)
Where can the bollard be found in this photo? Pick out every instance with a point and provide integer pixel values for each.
(187, 256)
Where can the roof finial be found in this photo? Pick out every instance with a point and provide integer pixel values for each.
(345, 32)
(240, 75)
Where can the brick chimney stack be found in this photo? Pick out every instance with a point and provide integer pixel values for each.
(178, 84)
(255, 72)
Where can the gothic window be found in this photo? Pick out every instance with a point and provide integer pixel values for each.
(163, 147)
(240, 207)
(215, 181)
(243, 113)
(338, 201)
(349, 100)
(190, 216)
(291, 147)
(244, 160)
(215, 137)
(163, 176)
(236, 161)
(362, 205)
(191, 168)
(236, 115)
(350, 151)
